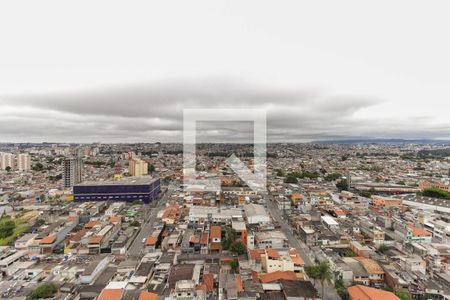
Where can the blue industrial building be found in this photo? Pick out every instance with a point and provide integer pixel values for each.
(128, 189)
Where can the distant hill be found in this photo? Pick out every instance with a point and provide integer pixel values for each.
(385, 141)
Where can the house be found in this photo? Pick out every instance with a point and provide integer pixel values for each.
(273, 260)
(110, 294)
(215, 237)
(150, 244)
(271, 240)
(25, 241)
(146, 295)
(360, 250)
(95, 268)
(256, 214)
(375, 271)
(299, 289)
(415, 234)
(360, 292)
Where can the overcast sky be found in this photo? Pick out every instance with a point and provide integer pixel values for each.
(99, 71)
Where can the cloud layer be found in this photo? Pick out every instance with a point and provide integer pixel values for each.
(153, 112)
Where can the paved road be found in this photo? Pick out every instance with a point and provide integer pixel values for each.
(329, 291)
(135, 249)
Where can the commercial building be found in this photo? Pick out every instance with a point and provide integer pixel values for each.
(128, 189)
(72, 171)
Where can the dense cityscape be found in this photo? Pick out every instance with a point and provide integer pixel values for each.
(116, 221)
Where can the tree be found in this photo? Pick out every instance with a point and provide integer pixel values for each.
(135, 223)
(6, 228)
(383, 248)
(151, 168)
(312, 272)
(44, 290)
(8, 169)
(39, 222)
(324, 275)
(341, 289)
(332, 176)
(38, 167)
(350, 253)
(238, 248)
(234, 264)
(436, 193)
(230, 237)
(403, 294)
(281, 173)
(137, 202)
(342, 185)
(321, 272)
(291, 179)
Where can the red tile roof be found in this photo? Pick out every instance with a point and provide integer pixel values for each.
(151, 241)
(110, 294)
(95, 239)
(255, 254)
(271, 253)
(204, 238)
(208, 280)
(361, 292)
(277, 275)
(115, 219)
(49, 239)
(146, 295)
(216, 232)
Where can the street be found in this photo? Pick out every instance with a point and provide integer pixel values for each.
(329, 290)
(135, 249)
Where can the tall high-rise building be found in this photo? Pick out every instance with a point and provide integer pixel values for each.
(23, 162)
(72, 171)
(7, 160)
(138, 167)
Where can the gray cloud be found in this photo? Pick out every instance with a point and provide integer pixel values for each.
(149, 113)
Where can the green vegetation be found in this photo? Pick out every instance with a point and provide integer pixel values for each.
(350, 253)
(319, 272)
(341, 289)
(234, 264)
(437, 153)
(403, 294)
(230, 237)
(39, 222)
(137, 202)
(383, 248)
(151, 168)
(96, 163)
(342, 185)
(135, 223)
(229, 242)
(365, 194)
(8, 235)
(238, 248)
(333, 176)
(291, 179)
(281, 173)
(8, 169)
(6, 228)
(435, 193)
(44, 290)
(38, 167)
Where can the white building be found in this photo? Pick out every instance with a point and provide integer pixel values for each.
(256, 214)
(7, 160)
(23, 162)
